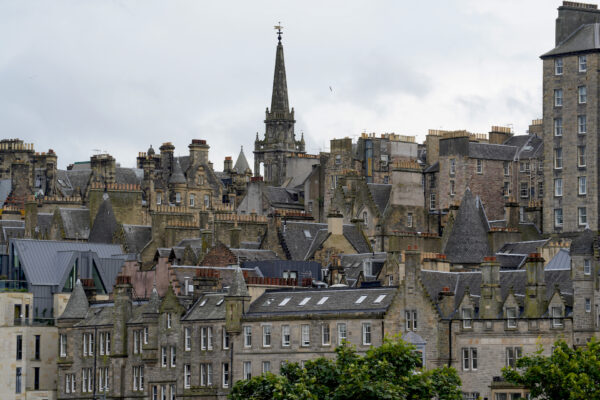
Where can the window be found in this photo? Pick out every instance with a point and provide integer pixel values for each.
(558, 187)
(558, 126)
(285, 335)
(138, 377)
(582, 183)
(87, 380)
(145, 335)
(304, 301)
(541, 189)
(411, 320)
(558, 217)
(155, 392)
(512, 355)
(266, 366)
(206, 201)
(225, 339)
(479, 166)
(452, 188)
(452, 166)
(173, 356)
(506, 189)
(582, 215)
(137, 341)
(432, 203)
(203, 338)
(187, 376)
(581, 156)
(103, 379)
(70, 385)
(506, 168)
(18, 380)
(511, 317)
(159, 198)
(169, 321)
(360, 299)
(409, 220)
(266, 335)
(104, 341)
(284, 301)
(163, 356)
(187, 339)
(432, 182)
(524, 166)
(247, 370)
(192, 200)
(305, 335)
(178, 197)
(36, 376)
(247, 336)
(558, 97)
(342, 333)
(88, 344)
(338, 159)
(582, 63)
(524, 190)
(558, 66)
(366, 333)
(62, 344)
(587, 267)
(556, 313)
(225, 375)
(581, 124)
(37, 339)
(172, 392)
(322, 300)
(469, 356)
(365, 218)
(467, 317)
(19, 355)
(205, 374)
(470, 395)
(325, 336)
(386, 179)
(582, 94)
(558, 161)
(588, 305)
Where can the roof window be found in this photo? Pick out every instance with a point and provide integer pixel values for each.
(379, 298)
(307, 234)
(322, 300)
(220, 302)
(304, 301)
(285, 301)
(361, 299)
(203, 303)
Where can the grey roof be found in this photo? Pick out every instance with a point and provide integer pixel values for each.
(354, 264)
(42, 258)
(517, 140)
(467, 243)
(210, 306)
(560, 261)
(511, 261)
(177, 175)
(44, 222)
(105, 223)
(523, 248)
(11, 229)
(272, 302)
(281, 196)
(238, 286)
(241, 164)
(76, 222)
(246, 255)
(435, 167)
(5, 189)
(532, 148)
(492, 151)
(583, 243)
(586, 38)
(130, 176)
(136, 237)
(380, 194)
(77, 306)
(275, 268)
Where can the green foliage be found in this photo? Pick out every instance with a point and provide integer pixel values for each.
(391, 371)
(569, 374)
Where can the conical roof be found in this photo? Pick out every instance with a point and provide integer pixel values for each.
(467, 242)
(279, 99)
(77, 306)
(177, 175)
(105, 223)
(241, 164)
(238, 286)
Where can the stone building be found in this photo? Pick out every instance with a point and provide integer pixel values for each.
(570, 113)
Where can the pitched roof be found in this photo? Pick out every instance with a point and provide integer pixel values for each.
(210, 306)
(523, 248)
(136, 237)
(105, 223)
(76, 222)
(321, 301)
(275, 268)
(586, 38)
(247, 255)
(560, 261)
(241, 164)
(380, 194)
(5, 189)
(467, 243)
(238, 286)
(489, 151)
(77, 306)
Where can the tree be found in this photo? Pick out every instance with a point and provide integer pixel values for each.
(569, 374)
(391, 371)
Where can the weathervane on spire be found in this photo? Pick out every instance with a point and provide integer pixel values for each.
(279, 27)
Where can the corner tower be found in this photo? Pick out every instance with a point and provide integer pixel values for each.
(279, 141)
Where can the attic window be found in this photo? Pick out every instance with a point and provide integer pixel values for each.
(268, 302)
(307, 234)
(360, 299)
(322, 300)
(220, 302)
(203, 303)
(304, 301)
(379, 298)
(285, 301)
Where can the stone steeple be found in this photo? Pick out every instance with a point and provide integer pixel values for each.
(279, 99)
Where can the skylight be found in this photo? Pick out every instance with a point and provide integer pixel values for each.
(304, 301)
(285, 301)
(203, 303)
(268, 302)
(307, 234)
(220, 302)
(379, 298)
(322, 300)
(360, 299)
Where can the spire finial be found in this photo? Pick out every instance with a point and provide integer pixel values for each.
(279, 27)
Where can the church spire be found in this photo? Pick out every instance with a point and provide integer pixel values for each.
(279, 100)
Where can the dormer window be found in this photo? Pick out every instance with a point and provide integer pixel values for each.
(511, 317)
(467, 318)
(556, 313)
(587, 267)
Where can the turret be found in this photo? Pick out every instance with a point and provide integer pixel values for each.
(237, 301)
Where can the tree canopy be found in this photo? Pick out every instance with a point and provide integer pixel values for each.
(569, 374)
(391, 371)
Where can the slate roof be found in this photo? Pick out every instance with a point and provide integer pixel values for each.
(467, 242)
(177, 175)
(130, 176)
(44, 222)
(5, 189)
(247, 255)
(238, 286)
(280, 196)
(583, 243)
(517, 140)
(105, 224)
(11, 228)
(341, 300)
(458, 282)
(489, 151)
(77, 306)
(380, 194)
(210, 306)
(560, 261)
(136, 237)
(76, 222)
(275, 268)
(354, 264)
(511, 261)
(435, 167)
(241, 164)
(523, 248)
(586, 38)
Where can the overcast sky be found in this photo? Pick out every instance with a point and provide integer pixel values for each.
(119, 75)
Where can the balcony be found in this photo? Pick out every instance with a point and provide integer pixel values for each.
(7, 285)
